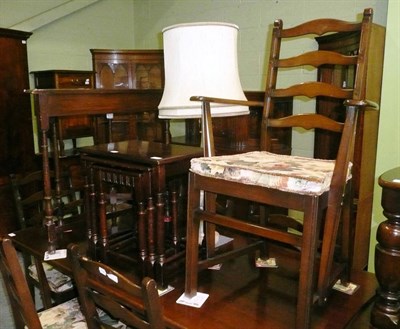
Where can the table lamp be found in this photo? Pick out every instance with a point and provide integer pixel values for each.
(200, 59)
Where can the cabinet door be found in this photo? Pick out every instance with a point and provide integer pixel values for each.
(16, 133)
(129, 69)
(113, 75)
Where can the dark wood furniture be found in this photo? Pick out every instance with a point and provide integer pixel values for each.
(63, 79)
(27, 191)
(240, 134)
(53, 103)
(367, 131)
(274, 180)
(232, 135)
(130, 69)
(22, 304)
(101, 286)
(68, 128)
(240, 296)
(386, 311)
(17, 153)
(146, 171)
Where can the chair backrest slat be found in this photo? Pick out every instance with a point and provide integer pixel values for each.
(317, 58)
(99, 285)
(307, 121)
(28, 198)
(313, 89)
(322, 90)
(319, 27)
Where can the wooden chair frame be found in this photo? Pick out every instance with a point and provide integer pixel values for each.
(29, 207)
(101, 286)
(314, 207)
(22, 305)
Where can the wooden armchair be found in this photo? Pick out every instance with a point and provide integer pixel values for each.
(101, 287)
(66, 315)
(319, 189)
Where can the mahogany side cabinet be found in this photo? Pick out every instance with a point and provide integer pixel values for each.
(17, 153)
(367, 133)
(130, 69)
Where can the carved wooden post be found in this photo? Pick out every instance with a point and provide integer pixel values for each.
(160, 242)
(151, 247)
(386, 311)
(142, 236)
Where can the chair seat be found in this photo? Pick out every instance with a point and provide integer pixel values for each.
(58, 281)
(65, 315)
(295, 174)
(68, 315)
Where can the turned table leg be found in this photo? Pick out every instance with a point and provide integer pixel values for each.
(386, 311)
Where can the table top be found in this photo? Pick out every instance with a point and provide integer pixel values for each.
(144, 152)
(71, 102)
(240, 296)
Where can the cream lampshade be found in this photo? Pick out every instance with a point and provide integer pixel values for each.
(200, 59)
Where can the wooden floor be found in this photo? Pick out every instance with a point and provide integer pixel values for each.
(242, 296)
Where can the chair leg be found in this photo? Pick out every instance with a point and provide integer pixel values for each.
(330, 233)
(192, 238)
(347, 231)
(307, 264)
(43, 284)
(210, 228)
(27, 260)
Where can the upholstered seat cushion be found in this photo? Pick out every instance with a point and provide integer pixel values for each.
(287, 173)
(65, 315)
(58, 281)
(68, 315)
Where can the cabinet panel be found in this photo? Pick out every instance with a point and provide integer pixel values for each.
(132, 69)
(367, 129)
(129, 69)
(17, 153)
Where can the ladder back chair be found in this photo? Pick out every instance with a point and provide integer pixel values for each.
(66, 315)
(102, 287)
(28, 198)
(319, 189)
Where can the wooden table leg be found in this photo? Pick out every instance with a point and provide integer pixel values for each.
(160, 242)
